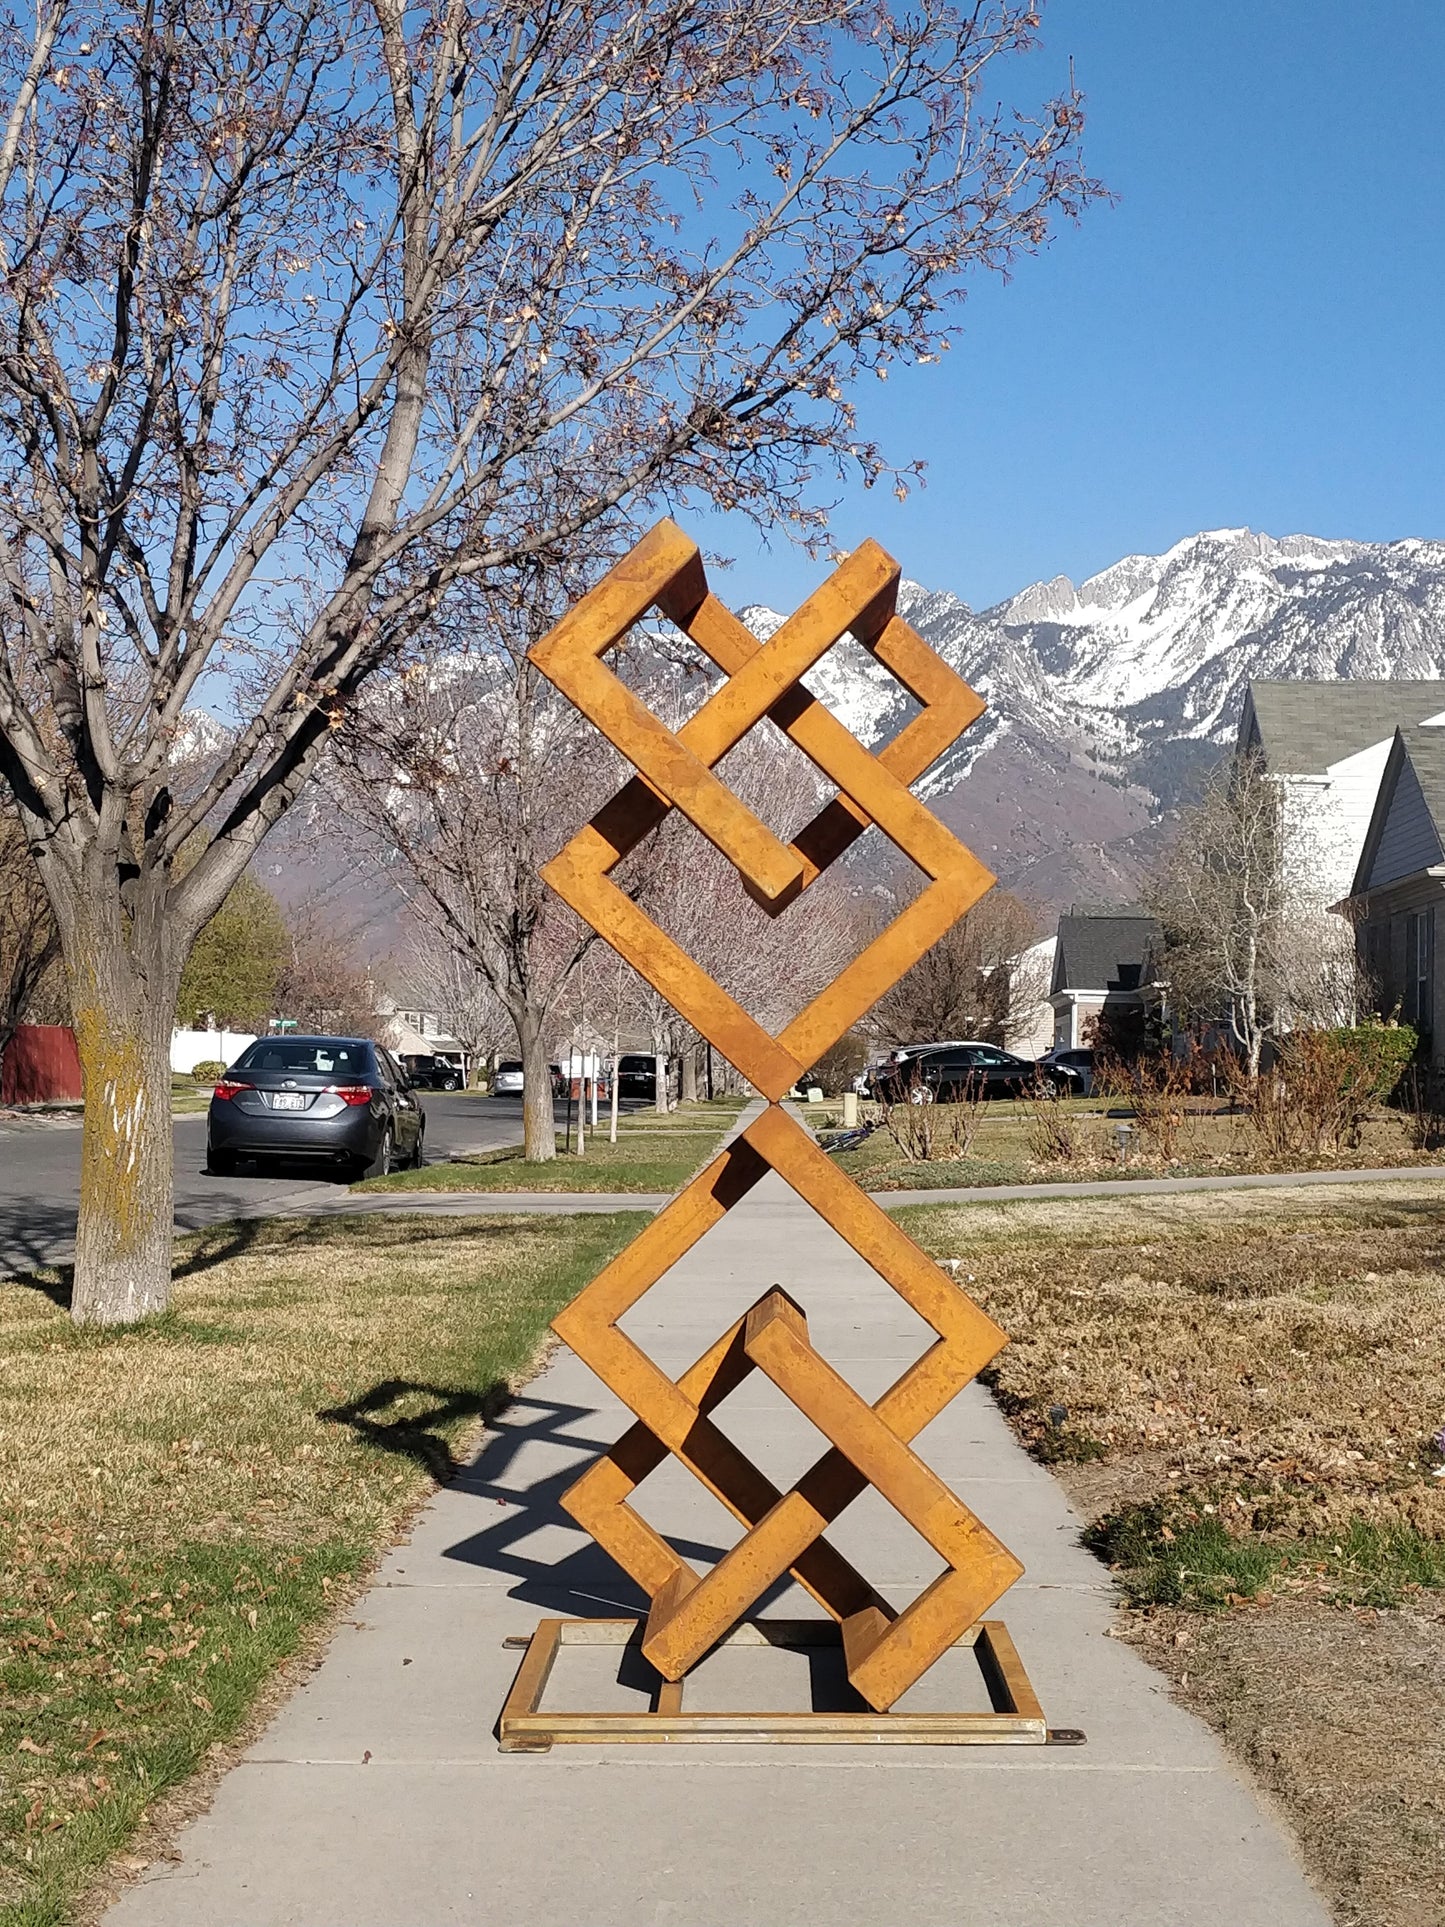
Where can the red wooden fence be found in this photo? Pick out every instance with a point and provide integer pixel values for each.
(40, 1065)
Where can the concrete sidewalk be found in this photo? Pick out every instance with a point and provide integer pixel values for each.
(377, 1798)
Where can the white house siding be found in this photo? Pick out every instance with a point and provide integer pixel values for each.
(1409, 840)
(1030, 1029)
(1328, 817)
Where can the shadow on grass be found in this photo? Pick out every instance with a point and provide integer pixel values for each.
(418, 1435)
(215, 1245)
(234, 1239)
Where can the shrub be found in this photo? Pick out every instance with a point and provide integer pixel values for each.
(1053, 1135)
(1422, 1096)
(1320, 1093)
(1374, 1055)
(209, 1071)
(926, 1132)
(1157, 1088)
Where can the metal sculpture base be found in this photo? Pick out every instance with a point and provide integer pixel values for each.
(1016, 1718)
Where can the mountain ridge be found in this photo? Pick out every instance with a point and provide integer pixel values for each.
(1109, 699)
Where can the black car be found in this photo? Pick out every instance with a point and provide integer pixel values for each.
(637, 1077)
(888, 1076)
(344, 1100)
(946, 1075)
(427, 1073)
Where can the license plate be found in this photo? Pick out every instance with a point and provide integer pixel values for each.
(288, 1101)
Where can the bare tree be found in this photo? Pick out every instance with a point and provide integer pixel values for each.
(472, 771)
(970, 983)
(29, 939)
(297, 302)
(444, 979)
(1248, 948)
(323, 986)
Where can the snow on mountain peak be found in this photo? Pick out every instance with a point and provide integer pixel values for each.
(1136, 676)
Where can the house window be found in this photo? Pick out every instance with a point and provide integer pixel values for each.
(1419, 999)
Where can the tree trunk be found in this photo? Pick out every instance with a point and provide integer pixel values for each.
(688, 1093)
(539, 1133)
(659, 1082)
(126, 1227)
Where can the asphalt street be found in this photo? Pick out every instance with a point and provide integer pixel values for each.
(40, 1174)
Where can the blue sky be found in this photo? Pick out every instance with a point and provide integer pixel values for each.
(1250, 335)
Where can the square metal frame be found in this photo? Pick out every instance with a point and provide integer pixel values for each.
(1016, 1718)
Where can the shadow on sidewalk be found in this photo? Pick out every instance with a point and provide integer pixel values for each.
(584, 1584)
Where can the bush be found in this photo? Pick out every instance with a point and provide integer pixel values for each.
(209, 1071)
(1421, 1095)
(926, 1132)
(1159, 1086)
(1053, 1137)
(1374, 1056)
(1320, 1093)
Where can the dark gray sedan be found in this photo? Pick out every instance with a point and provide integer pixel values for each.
(340, 1100)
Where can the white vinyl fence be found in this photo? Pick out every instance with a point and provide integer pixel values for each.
(192, 1047)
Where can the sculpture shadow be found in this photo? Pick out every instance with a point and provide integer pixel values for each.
(420, 1436)
(584, 1583)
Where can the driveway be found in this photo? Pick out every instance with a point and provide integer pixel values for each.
(40, 1174)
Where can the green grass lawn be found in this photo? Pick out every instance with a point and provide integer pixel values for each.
(179, 1503)
(1007, 1149)
(653, 1152)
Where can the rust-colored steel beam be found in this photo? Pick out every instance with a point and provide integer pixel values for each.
(885, 1650)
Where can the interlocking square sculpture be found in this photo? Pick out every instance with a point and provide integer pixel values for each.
(885, 1650)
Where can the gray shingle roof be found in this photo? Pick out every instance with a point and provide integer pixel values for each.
(1304, 727)
(1104, 951)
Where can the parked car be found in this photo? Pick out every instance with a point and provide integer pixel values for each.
(341, 1099)
(428, 1073)
(637, 1077)
(1080, 1063)
(508, 1080)
(887, 1075)
(943, 1076)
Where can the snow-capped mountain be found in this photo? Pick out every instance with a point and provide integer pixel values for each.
(1107, 699)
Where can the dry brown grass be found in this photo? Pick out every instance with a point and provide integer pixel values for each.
(1259, 1374)
(1286, 1344)
(177, 1501)
(1339, 1714)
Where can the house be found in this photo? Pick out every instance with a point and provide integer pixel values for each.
(1398, 888)
(421, 1033)
(1105, 960)
(1029, 1027)
(1327, 743)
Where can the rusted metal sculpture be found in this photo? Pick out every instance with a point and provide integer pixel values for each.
(885, 1651)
